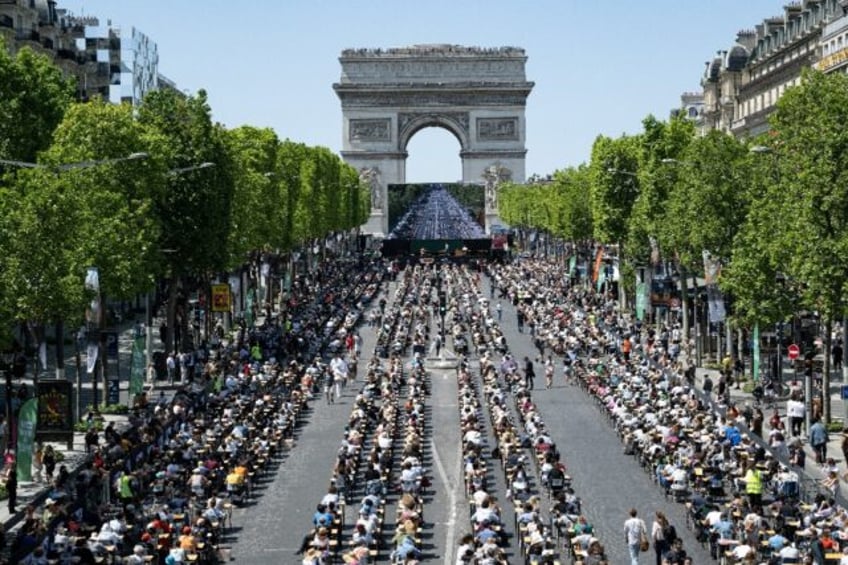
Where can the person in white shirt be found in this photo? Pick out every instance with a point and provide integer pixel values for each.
(339, 371)
(795, 411)
(634, 530)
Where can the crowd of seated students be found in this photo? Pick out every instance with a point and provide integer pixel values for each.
(161, 490)
(381, 451)
(742, 492)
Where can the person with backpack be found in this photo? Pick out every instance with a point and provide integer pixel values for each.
(663, 535)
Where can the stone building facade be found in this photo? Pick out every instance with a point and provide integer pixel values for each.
(119, 65)
(741, 85)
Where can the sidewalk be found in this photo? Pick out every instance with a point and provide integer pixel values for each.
(834, 446)
(36, 493)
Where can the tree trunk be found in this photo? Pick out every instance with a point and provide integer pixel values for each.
(171, 334)
(60, 349)
(844, 367)
(826, 376)
(684, 305)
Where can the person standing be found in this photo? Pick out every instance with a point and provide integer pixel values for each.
(49, 461)
(754, 486)
(634, 531)
(818, 440)
(529, 373)
(662, 534)
(795, 410)
(499, 310)
(12, 489)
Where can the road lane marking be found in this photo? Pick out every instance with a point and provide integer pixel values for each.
(451, 523)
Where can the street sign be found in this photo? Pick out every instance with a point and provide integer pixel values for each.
(793, 351)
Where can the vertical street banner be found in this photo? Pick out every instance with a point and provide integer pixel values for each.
(756, 348)
(715, 300)
(599, 258)
(641, 300)
(27, 421)
(221, 297)
(248, 309)
(572, 265)
(137, 367)
(91, 352)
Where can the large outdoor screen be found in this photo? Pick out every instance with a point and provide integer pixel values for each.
(436, 211)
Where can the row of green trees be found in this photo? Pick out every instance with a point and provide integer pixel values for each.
(774, 210)
(196, 200)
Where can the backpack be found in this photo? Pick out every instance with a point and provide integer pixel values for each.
(669, 534)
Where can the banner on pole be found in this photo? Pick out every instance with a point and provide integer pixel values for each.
(715, 300)
(641, 300)
(27, 421)
(756, 349)
(221, 297)
(599, 258)
(137, 367)
(91, 352)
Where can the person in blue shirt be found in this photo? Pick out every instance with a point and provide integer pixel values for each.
(732, 435)
(322, 518)
(777, 542)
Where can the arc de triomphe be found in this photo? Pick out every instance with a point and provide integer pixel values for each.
(477, 94)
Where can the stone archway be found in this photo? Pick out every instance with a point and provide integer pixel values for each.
(477, 94)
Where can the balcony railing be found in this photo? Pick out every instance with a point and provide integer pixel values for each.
(31, 35)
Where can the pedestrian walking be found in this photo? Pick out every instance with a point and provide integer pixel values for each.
(529, 373)
(636, 536)
(499, 310)
(663, 535)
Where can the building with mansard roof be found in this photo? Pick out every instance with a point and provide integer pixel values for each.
(742, 84)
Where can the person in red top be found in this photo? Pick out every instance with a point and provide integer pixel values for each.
(828, 543)
(625, 349)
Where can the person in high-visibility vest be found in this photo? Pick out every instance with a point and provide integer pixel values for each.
(754, 486)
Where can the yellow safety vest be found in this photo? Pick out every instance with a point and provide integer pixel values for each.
(753, 482)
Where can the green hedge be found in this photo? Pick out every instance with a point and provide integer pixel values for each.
(83, 426)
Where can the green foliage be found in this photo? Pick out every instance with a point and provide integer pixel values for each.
(194, 208)
(33, 99)
(84, 427)
(662, 145)
(259, 204)
(112, 202)
(709, 201)
(810, 149)
(614, 186)
(115, 409)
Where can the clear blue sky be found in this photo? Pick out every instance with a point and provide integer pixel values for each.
(599, 66)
